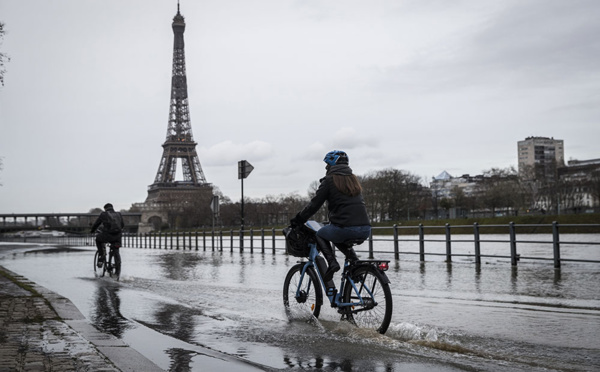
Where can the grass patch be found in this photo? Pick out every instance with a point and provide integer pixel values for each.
(25, 286)
(33, 292)
(38, 319)
(499, 225)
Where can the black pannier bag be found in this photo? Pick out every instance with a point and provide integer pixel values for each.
(298, 240)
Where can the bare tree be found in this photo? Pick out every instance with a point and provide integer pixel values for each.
(595, 186)
(3, 57)
(392, 194)
(501, 190)
(446, 204)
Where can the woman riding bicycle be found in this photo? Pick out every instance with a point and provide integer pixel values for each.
(348, 219)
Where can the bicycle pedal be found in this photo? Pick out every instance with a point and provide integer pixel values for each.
(343, 311)
(331, 292)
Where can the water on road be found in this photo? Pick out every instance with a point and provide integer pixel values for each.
(178, 306)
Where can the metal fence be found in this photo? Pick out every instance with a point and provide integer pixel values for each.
(512, 241)
(387, 240)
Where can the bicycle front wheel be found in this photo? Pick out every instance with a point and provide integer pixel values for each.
(302, 300)
(96, 256)
(105, 265)
(376, 310)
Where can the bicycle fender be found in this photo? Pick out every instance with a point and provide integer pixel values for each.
(384, 277)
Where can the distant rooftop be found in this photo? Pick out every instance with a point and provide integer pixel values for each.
(443, 176)
(583, 162)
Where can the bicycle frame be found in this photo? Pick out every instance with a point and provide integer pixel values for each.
(334, 300)
(110, 259)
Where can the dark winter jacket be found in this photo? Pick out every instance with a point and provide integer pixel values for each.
(111, 221)
(344, 210)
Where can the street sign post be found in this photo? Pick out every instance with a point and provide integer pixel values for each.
(214, 207)
(214, 204)
(244, 169)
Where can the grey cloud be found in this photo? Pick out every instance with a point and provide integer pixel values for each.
(529, 42)
(542, 40)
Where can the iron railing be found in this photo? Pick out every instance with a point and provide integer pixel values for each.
(415, 240)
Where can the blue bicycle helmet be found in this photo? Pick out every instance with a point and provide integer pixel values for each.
(336, 157)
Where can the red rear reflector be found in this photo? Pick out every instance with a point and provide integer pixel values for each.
(383, 266)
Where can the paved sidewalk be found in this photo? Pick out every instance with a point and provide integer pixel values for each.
(42, 331)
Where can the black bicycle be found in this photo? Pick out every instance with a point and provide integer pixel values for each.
(111, 263)
(364, 297)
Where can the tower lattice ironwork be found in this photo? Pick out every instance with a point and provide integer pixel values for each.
(179, 144)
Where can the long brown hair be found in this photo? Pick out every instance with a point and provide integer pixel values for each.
(347, 184)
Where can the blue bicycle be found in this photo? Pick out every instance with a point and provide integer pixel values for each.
(364, 297)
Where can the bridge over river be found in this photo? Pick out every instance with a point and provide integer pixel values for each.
(72, 222)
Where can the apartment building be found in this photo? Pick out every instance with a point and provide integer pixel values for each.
(539, 157)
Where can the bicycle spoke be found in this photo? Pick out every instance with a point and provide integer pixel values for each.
(302, 296)
(375, 310)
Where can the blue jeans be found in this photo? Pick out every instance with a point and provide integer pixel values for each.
(338, 235)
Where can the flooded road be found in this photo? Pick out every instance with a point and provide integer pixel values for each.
(176, 306)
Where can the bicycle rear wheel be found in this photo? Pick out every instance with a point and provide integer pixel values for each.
(117, 264)
(376, 312)
(302, 302)
(110, 267)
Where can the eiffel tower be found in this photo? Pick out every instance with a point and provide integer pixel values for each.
(179, 144)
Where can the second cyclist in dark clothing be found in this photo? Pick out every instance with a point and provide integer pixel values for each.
(110, 225)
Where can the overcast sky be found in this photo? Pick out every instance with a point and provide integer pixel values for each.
(421, 86)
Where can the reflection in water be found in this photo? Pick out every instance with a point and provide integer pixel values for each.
(449, 271)
(53, 250)
(177, 266)
(514, 276)
(242, 269)
(180, 359)
(215, 267)
(107, 315)
(557, 279)
(176, 320)
(422, 273)
(304, 364)
(477, 278)
(345, 365)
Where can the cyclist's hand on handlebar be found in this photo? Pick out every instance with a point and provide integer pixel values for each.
(295, 222)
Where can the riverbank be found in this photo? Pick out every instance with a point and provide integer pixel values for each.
(42, 331)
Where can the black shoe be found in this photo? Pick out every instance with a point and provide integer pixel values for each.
(331, 291)
(333, 268)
